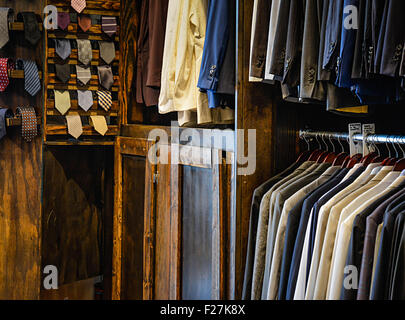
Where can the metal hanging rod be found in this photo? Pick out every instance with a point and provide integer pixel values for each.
(375, 138)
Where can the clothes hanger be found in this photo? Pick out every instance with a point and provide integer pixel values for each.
(386, 161)
(317, 152)
(331, 157)
(341, 157)
(393, 161)
(353, 160)
(304, 156)
(378, 158)
(400, 164)
(323, 155)
(368, 158)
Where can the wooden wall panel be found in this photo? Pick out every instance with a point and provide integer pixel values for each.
(20, 180)
(77, 211)
(254, 111)
(133, 187)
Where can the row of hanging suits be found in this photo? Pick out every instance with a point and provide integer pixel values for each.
(348, 54)
(328, 228)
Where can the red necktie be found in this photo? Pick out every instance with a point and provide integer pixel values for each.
(4, 81)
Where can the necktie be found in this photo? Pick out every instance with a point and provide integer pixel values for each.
(84, 51)
(74, 124)
(63, 72)
(4, 81)
(63, 20)
(4, 113)
(84, 21)
(63, 48)
(109, 25)
(105, 77)
(62, 101)
(107, 51)
(85, 99)
(100, 124)
(6, 16)
(104, 99)
(78, 5)
(28, 123)
(32, 82)
(31, 28)
(83, 74)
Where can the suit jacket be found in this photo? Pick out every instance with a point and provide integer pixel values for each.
(261, 32)
(311, 87)
(397, 275)
(367, 261)
(357, 71)
(254, 217)
(150, 45)
(380, 287)
(292, 61)
(356, 245)
(279, 48)
(392, 45)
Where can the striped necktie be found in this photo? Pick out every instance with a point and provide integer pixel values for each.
(109, 25)
(83, 74)
(78, 5)
(6, 16)
(32, 82)
(104, 99)
(28, 123)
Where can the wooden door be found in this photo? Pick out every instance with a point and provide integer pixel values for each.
(171, 223)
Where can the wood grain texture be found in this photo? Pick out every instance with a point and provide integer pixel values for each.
(20, 180)
(131, 112)
(74, 212)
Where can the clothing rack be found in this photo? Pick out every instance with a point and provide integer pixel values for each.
(373, 138)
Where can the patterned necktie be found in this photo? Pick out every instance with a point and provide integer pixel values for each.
(4, 113)
(74, 124)
(63, 48)
(62, 101)
(84, 51)
(32, 82)
(78, 5)
(6, 16)
(100, 124)
(105, 77)
(107, 51)
(4, 80)
(85, 99)
(31, 28)
(84, 21)
(104, 99)
(109, 25)
(63, 20)
(63, 72)
(83, 74)
(28, 123)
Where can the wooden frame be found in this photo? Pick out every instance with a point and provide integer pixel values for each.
(221, 200)
(134, 147)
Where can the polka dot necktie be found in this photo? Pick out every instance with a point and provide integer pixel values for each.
(4, 80)
(78, 5)
(28, 123)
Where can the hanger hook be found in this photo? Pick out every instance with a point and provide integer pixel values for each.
(306, 141)
(341, 144)
(386, 144)
(373, 139)
(317, 140)
(323, 140)
(400, 146)
(333, 145)
(395, 148)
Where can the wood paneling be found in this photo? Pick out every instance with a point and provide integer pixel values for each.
(131, 112)
(133, 186)
(75, 215)
(20, 180)
(80, 290)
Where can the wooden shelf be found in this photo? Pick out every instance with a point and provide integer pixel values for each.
(75, 87)
(80, 143)
(19, 26)
(19, 74)
(84, 113)
(15, 122)
(87, 130)
(73, 55)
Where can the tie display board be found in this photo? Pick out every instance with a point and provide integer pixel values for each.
(89, 73)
